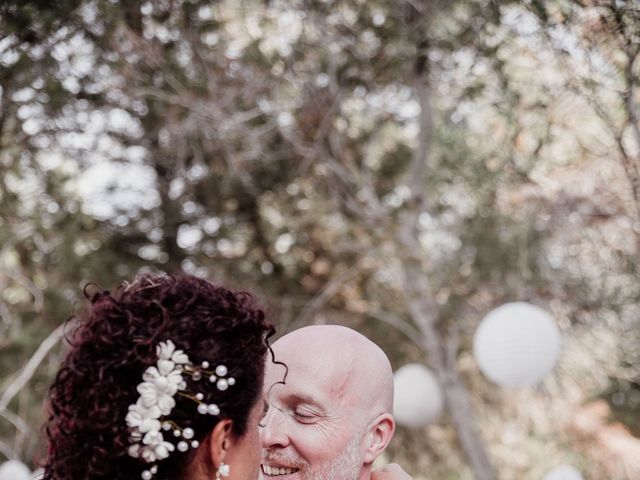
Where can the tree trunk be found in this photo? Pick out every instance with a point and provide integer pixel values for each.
(420, 298)
(457, 400)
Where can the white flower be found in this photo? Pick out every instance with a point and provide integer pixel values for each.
(156, 399)
(151, 374)
(162, 450)
(142, 418)
(157, 391)
(148, 394)
(179, 357)
(165, 367)
(167, 351)
(155, 446)
(166, 404)
(153, 438)
(174, 379)
(148, 455)
(164, 350)
(165, 383)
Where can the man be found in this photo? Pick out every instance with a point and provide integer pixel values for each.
(331, 417)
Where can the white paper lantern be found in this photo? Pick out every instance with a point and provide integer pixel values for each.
(516, 344)
(417, 396)
(563, 472)
(14, 470)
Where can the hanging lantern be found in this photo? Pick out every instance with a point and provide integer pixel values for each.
(563, 472)
(516, 344)
(14, 470)
(417, 396)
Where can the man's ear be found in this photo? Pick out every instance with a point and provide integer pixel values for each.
(379, 435)
(220, 439)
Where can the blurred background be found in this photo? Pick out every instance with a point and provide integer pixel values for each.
(401, 167)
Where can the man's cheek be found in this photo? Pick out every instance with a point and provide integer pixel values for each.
(316, 443)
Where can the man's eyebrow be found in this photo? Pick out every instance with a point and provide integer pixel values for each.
(298, 398)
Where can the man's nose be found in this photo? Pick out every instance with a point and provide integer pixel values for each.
(273, 431)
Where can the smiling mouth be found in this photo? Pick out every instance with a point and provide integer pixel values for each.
(276, 471)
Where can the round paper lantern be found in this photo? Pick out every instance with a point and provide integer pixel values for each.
(14, 470)
(563, 472)
(516, 344)
(417, 396)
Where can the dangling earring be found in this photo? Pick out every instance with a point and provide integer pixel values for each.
(223, 471)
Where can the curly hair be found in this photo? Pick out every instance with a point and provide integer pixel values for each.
(115, 341)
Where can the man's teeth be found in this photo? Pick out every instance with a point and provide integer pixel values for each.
(267, 470)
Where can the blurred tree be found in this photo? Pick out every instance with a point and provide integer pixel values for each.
(597, 45)
(371, 163)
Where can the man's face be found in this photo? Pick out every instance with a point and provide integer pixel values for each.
(312, 430)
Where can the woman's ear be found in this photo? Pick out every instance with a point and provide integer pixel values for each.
(380, 433)
(220, 440)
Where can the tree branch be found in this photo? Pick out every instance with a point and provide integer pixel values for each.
(29, 369)
(399, 324)
(330, 289)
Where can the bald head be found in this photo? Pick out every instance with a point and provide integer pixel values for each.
(357, 369)
(331, 417)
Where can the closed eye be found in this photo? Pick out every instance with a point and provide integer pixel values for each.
(305, 416)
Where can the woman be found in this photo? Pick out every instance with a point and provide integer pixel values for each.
(163, 380)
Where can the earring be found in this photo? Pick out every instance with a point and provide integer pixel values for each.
(223, 471)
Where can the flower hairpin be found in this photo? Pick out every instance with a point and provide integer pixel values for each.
(147, 418)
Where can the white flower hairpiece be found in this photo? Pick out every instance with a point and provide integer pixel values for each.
(161, 383)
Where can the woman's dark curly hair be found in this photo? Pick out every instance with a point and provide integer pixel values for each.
(112, 345)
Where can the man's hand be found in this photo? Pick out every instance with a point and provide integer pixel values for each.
(393, 471)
